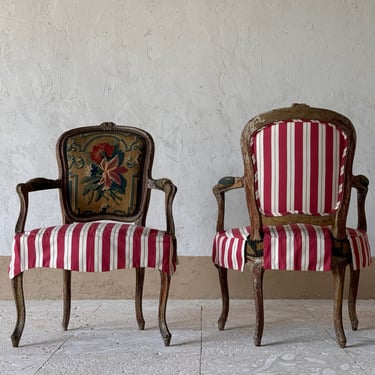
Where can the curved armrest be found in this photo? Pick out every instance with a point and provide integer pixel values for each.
(225, 184)
(361, 182)
(166, 185)
(23, 191)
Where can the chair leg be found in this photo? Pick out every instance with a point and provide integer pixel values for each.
(258, 272)
(17, 287)
(164, 291)
(338, 270)
(140, 277)
(353, 289)
(67, 297)
(223, 277)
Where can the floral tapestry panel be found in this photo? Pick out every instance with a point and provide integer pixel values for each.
(105, 173)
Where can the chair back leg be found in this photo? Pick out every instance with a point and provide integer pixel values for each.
(352, 300)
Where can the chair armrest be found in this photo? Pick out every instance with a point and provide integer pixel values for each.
(361, 182)
(225, 184)
(23, 191)
(170, 190)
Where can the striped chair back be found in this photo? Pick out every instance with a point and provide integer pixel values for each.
(298, 166)
(298, 180)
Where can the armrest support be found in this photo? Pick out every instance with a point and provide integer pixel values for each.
(170, 190)
(23, 191)
(361, 183)
(225, 184)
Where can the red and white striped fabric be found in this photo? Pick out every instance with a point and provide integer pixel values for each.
(360, 248)
(92, 247)
(296, 247)
(298, 167)
(228, 249)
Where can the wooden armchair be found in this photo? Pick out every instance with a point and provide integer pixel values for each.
(105, 184)
(297, 180)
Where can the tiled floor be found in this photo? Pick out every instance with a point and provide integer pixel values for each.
(103, 339)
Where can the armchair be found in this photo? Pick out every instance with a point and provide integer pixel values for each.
(297, 181)
(105, 185)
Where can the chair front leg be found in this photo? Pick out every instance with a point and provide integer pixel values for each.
(258, 272)
(164, 291)
(352, 301)
(17, 288)
(140, 277)
(338, 270)
(223, 277)
(67, 298)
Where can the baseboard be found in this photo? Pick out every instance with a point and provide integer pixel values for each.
(196, 278)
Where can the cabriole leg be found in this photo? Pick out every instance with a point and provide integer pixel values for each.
(258, 272)
(338, 270)
(67, 298)
(17, 287)
(164, 291)
(223, 277)
(140, 277)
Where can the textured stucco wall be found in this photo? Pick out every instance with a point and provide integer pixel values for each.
(191, 72)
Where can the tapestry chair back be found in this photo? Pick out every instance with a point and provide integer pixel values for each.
(104, 174)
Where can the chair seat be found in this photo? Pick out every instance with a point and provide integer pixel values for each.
(92, 247)
(297, 247)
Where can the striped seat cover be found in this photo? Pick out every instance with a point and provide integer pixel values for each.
(92, 247)
(296, 247)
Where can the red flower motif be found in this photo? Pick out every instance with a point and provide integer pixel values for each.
(100, 151)
(111, 172)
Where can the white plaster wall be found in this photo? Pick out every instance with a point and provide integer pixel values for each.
(192, 72)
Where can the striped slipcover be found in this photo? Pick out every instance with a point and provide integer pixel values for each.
(92, 247)
(299, 169)
(297, 247)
